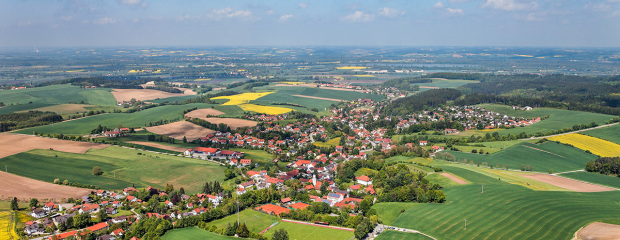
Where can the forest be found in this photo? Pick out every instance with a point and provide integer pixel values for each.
(12, 121)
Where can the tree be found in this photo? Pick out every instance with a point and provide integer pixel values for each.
(229, 173)
(181, 191)
(102, 215)
(62, 227)
(97, 171)
(242, 231)
(280, 234)
(14, 205)
(362, 229)
(33, 203)
(169, 188)
(184, 139)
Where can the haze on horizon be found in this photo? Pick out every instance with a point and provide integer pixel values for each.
(109, 23)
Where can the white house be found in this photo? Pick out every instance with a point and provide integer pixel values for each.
(38, 213)
(364, 180)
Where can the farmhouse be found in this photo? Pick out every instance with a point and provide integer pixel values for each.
(364, 180)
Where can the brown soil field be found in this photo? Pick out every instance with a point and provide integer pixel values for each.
(141, 94)
(16, 143)
(64, 108)
(568, 183)
(329, 99)
(599, 231)
(179, 129)
(453, 178)
(24, 188)
(157, 145)
(233, 123)
(298, 85)
(187, 91)
(202, 113)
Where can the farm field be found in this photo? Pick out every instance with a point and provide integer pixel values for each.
(58, 94)
(180, 129)
(258, 156)
(264, 109)
(400, 158)
(7, 231)
(542, 157)
(309, 232)
(506, 211)
(608, 133)
(596, 146)
(193, 233)
(396, 235)
(202, 113)
(13, 143)
(389, 211)
(24, 188)
(172, 99)
(84, 126)
(22, 107)
(122, 95)
(446, 83)
(596, 178)
(440, 179)
(233, 123)
(558, 118)
(126, 165)
(255, 221)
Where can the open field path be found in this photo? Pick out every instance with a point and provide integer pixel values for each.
(543, 151)
(453, 178)
(582, 130)
(570, 184)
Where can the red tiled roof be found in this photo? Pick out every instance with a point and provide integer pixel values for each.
(364, 178)
(299, 205)
(270, 208)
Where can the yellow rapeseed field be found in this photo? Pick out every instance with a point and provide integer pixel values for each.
(595, 145)
(7, 230)
(350, 68)
(265, 109)
(202, 79)
(242, 98)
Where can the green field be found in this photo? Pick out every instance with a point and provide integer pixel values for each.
(596, 178)
(400, 158)
(365, 171)
(58, 94)
(504, 211)
(84, 126)
(542, 157)
(441, 180)
(126, 165)
(390, 211)
(308, 232)
(332, 142)
(558, 118)
(193, 233)
(446, 83)
(258, 156)
(285, 95)
(173, 99)
(22, 107)
(255, 221)
(608, 133)
(396, 235)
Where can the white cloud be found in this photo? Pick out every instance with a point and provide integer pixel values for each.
(140, 3)
(458, 1)
(390, 13)
(600, 7)
(105, 20)
(303, 5)
(66, 18)
(283, 18)
(510, 5)
(455, 11)
(219, 14)
(438, 5)
(270, 12)
(359, 16)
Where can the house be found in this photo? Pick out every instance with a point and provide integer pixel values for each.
(111, 211)
(119, 219)
(335, 197)
(115, 133)
(127, 190)
(205, 150)
(38, 213)
(285, 200)
(169, 204)
(364, 180)
(101, 193)
(117, 232)
(423, 143)
(131, 198)
(33, 228)
(90, 208)
(50, 206)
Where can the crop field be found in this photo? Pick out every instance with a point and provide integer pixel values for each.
(58, 94)
(608, 133)
(255, 221)
(7, 231)
(446, 83)
(179, 130)
(264, 109)
(172, 99)
(242, 98)
(22, 107)
(287, 95)
(505, 211)
(193, 233)
(596, 146)
(308, 232)
(596, 178)
(84, 126)
(390, 211)
(442, 180)
(122, 167)
(396, 235)
(542, 157)
(558, 118)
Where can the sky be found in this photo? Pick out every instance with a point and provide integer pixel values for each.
(109, 23)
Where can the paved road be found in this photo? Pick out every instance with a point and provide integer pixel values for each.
(583, 130)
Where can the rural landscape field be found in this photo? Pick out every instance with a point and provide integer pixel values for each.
(310, 120)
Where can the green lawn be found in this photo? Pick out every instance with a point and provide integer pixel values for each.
(506, 211)
(332, 142)
(441, 180)
(255, 220)
(365, 171)
(308, 232)
(258, 156)
(152, 169)
(122, 213)
(396, 235)
(608, 133)
(193, 233)
(558, 118)
(542, 157)
(58, 94)
(400, 158)
(174, 99)
(596, 178)
(84, 126)
(390, 211)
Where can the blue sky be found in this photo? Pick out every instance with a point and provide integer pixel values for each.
(556, 23)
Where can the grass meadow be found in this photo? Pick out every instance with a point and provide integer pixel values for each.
(542, 157)
(255, 221)
(608, 133)
(328, 143)
(84, 126)
(298, 231)
(59, 94)
(396, 235)
(503, 211)
(122, 167)
(193, 233)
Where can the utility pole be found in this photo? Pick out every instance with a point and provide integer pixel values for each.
(465, 224)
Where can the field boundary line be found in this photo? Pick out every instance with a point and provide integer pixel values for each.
(582, 130)
(617, 189)
(543, 151)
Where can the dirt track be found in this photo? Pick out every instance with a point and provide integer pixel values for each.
(599, 231)
(157, 145)
(233, 123)
(568, 183)
(453, 178)
(179, 129)
(202, 113)
(16, 143)
(329, 99)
